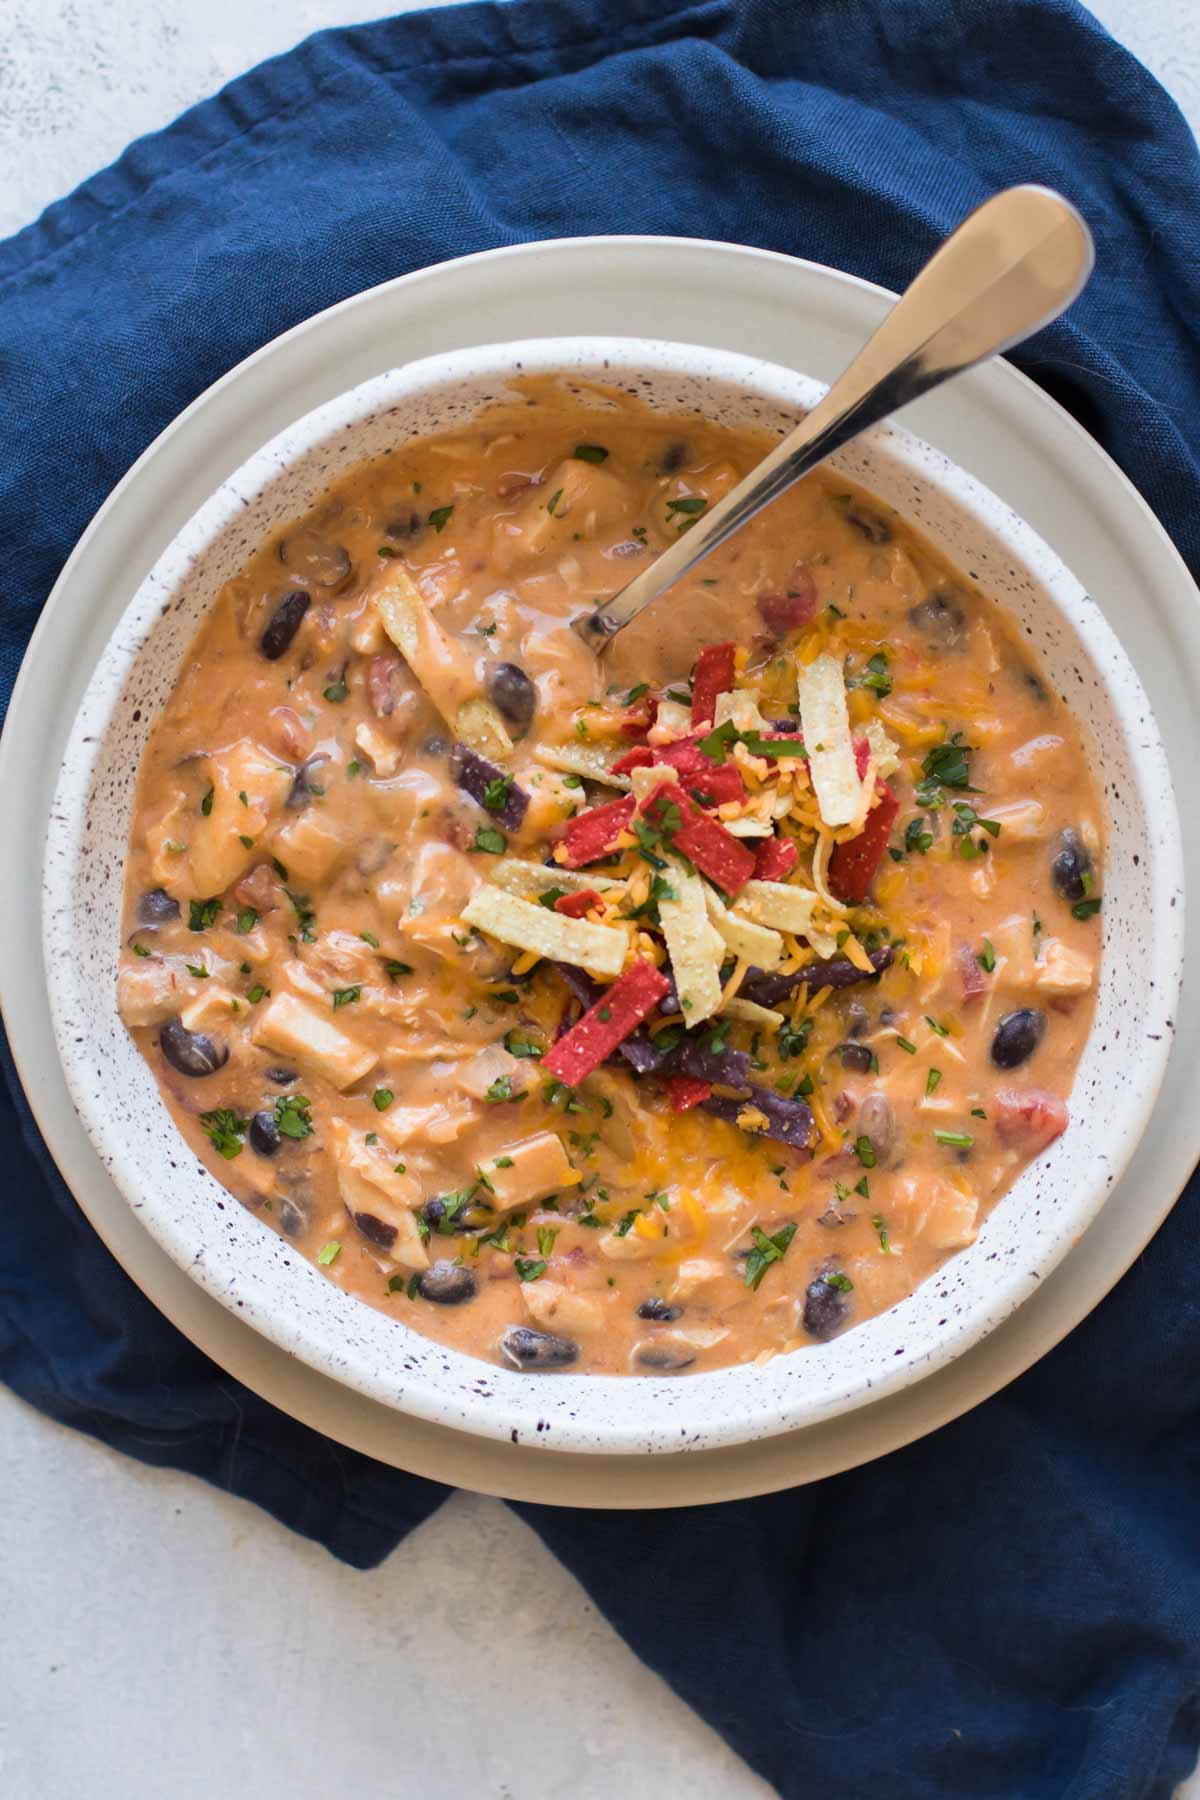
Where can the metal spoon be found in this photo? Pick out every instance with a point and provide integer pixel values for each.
(1012, 266)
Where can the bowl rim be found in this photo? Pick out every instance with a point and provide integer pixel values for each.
(779, 388)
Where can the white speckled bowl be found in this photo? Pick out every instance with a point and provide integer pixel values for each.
(252, 1270)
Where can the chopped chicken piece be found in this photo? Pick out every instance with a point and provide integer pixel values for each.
(528, 1171)
(1063, 970)
(310, 847)
(292, 1027)
(392, 1229)
(558, 1308)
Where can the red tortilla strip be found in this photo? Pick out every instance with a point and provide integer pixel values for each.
(605, 1026)
(594, 833)
(640, 718)
(702, 839)
(715, 783)
(574, 906)
(713, 676)
(775, 859)
(640, 757)
(684, 1091)
(852, 866)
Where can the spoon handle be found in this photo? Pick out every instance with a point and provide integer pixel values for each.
(1011, 267)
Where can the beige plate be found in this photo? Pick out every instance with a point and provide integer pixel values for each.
(993, 422)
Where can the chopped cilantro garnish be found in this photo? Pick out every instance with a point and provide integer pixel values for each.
(247, 919)
(864, 1149)
(225, 1130)
(139, 950)
(767, 1250)
(337, 691)
(553, 501)
(1087, 909)
(306, 918)
(292, 1116)
(345, 996)
(546, 1236)
(931, 1080)
(529, 1268)
(935, 1027)
(439, 518)
(917, 835)
(382, 1098)
(490, 841)
(519, 1043)
(502, 1089)
(987, 956)
(496, 793)
(329, 1253)
(206, 804)
(902, 1043)
(202, 914)
(394, 969)
(957, 1140)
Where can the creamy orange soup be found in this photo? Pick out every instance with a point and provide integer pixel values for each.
(631, 1016)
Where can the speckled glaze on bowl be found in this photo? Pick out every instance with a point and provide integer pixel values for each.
(256, 1273)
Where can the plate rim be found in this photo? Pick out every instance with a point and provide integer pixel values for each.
(1155, 544)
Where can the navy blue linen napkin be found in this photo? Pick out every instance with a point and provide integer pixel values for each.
(1012, 1606)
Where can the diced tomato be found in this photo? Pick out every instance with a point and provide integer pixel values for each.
(617, 1013)
(971, 975)
(703, 839)
(640, 718)
(795, 606)
(1028, 1119)
(640, 757)
(862, 757)
(684, 1091)
(713, 676)
(594, 833)
(853, 864)
(774, 859)
(574, 906)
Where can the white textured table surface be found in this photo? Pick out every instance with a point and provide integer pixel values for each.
(159, 1640)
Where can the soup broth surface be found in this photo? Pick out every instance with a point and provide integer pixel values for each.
(641, 1016)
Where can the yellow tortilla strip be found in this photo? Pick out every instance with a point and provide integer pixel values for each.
(821, 691)
(778, 904)
(588, 760)
(757, 943)
(439, 665)
(751, 1013)
(529, 880)
(533, 928)
(695, 947)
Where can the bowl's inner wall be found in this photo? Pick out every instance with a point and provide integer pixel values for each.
(246, 1264)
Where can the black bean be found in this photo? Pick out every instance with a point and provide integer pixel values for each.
(877, 1121)
(1072, 865)
(284, 624)
(858, 1019)
(156, 907)
(526, 1348)
(856, 1057)
(673, 458)
(1017, 1036)
(264, 1133)
(659, 1310)
(825, 1309)
(191, 1052)
(868, 523)
(447, 1284)
(293, 1217)
(663, 1356)
(377, 1231)
(448, 1218)
(306, 553)
(404, 525)
(282, 1077)
(306, 783)
(483, 780)
(513, 694)
(941, 618)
